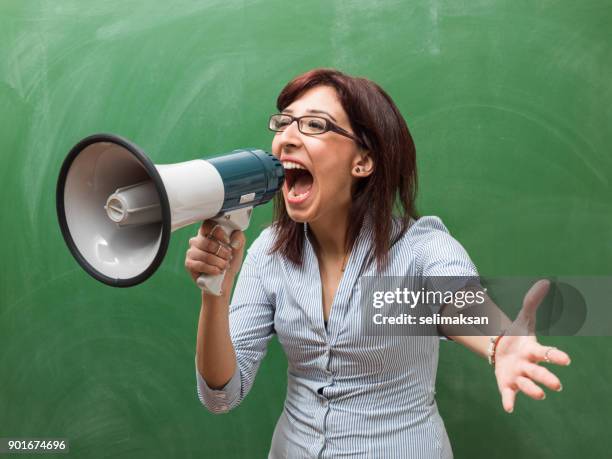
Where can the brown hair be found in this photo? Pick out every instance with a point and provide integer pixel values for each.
(377, 122)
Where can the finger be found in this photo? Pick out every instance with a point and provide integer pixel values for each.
(237, 239)
(220, 234)
(543, 376)
(194, 275)
(556, 356)
(195, 266)
(217, 248)
(508, 397)
(209, 258)
(206, 227)
(223, 251)
(529, 388)
(213, 230)
(534, 297)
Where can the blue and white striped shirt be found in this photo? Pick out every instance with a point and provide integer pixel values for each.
(348, 395)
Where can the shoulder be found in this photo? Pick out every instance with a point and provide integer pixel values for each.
(262, 244)
(432, 244)
(424, 232)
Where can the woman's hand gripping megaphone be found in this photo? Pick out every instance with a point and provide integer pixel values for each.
(214, 257)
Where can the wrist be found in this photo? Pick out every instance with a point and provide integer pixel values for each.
(214, 302)
(492, 350)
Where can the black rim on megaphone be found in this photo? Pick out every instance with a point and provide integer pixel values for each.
(164, 203)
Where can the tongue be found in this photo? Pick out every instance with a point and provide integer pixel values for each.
(303, 183)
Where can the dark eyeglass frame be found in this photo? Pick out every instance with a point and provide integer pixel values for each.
(329, 126)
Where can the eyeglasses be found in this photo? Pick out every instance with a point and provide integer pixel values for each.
(309, 125)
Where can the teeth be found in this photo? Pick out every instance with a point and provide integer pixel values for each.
(292, 165)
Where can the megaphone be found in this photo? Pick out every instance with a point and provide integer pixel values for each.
(116, 209)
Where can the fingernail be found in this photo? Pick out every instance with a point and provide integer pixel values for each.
(235, 244)
(543, 396)
(510, 410)
(560, 388)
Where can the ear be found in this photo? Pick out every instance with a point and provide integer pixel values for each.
(362, 165)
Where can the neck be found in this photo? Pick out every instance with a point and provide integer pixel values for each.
(330, 236)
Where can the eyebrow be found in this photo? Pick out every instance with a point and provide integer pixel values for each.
(312, 110)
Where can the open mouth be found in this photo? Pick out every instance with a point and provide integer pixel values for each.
(298, 180)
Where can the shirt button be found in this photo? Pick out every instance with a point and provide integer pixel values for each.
(221, 395)
(223, 407)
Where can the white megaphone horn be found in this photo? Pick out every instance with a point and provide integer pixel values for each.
(117, 209)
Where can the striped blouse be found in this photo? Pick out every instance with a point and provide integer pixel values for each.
(348, 395)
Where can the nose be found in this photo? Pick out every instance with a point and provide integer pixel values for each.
(287, 140)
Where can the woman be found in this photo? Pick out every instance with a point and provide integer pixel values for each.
(348, 157)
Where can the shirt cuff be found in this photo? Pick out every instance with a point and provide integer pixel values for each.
(221, 400)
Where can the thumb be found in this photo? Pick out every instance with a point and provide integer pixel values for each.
(531, 302)
(237, 239)
(534, 297)
(237, 243)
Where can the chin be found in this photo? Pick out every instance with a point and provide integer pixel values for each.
(301, 215)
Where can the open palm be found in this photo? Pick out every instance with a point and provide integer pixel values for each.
(518, 354)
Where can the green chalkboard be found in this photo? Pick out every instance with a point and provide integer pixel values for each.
(510, 107)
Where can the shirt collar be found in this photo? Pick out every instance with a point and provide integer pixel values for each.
(366, 232)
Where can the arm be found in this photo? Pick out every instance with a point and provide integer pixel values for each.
(476, 338)
(217, 366)
(518, 353)
(232, 340)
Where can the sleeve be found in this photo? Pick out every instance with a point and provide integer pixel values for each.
(251, 322)
(444, 256)
(445, 264)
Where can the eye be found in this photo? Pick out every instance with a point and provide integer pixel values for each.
(279, 122)
(316, 124)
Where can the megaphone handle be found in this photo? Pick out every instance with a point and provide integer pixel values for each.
(209, 282)
(238, 220)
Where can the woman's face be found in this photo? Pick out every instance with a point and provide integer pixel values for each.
(323, 189)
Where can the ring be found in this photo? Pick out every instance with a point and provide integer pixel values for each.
(546, 359)
(218, 249)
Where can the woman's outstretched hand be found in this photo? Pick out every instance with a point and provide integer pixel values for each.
(518, 354)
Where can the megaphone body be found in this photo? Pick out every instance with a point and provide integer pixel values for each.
(117, 209)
